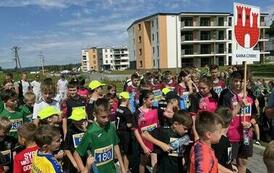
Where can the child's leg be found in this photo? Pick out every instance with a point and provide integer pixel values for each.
(257, 131)
(126, 162)
(153, 161)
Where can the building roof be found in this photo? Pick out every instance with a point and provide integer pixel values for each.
(180, 13)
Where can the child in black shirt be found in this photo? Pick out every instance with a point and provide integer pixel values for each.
(171, 142)
(223, 150)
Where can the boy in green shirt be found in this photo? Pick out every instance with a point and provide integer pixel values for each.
(102, 140)
(10, 103)
(27, 108)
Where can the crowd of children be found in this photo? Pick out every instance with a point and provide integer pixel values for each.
(160, 123)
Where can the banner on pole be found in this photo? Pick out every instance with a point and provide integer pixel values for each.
(246, 34)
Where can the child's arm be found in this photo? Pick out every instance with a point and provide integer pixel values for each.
(165, 147)
(119, 157)
(79, 161)
(141, 142)
(222, 169)
(72, 160)
(65, 126)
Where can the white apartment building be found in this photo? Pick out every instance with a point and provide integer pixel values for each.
(170, 40)
(100, 59)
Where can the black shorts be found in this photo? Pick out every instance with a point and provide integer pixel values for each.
(125, 142)
(239, 150)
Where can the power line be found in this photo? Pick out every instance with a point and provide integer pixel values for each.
(42, 58)
(15, 51)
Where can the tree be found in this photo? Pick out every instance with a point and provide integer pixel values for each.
(270, 31)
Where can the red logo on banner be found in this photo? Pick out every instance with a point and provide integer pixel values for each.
(241, 31)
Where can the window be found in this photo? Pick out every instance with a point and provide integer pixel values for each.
(106, 61)
(84, 58)
(205, 35)
(221, 48)
(94, 56)
(229, 48)
(152, 23)
(187, 49)
(153, 63)
(229, 21)
(229, 35)
(158, 51)
(205, 49)
(152, 37)
(141, 64)
(153, 50)
(220, 21)
(187, 35)
(205, 21)
(221, 35)
(187, 21)
(157, 37)
(111, 61)
(94, 62)
(140, 51)
(106, 50)
(139, 39)
(139, 27)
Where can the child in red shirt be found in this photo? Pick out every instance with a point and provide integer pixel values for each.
(23, 160)
(209, 129)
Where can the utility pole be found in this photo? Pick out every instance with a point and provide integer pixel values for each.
(15, 50)
(42, 58)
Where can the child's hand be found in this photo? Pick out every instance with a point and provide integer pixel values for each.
(146, 150)
(90, 161)
(234, 169)
(246, 125)
(59, 155)
(166, 147)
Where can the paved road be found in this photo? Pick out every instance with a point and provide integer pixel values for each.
(256, 164)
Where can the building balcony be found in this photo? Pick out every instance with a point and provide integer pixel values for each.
(203, 41)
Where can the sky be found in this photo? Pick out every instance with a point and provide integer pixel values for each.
(60, 29)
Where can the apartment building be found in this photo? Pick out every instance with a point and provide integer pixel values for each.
(170, 40)
(99, 59)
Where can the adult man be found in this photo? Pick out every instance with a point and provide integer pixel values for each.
(62, 87)
(22, 87)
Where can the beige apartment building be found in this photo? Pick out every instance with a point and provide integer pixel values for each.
(170, 40)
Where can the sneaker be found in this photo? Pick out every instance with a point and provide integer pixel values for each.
(258, 142)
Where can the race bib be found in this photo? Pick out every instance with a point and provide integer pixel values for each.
(103, 155)
(246, 110)
(29, 118)
(157, 96)
(15, 124)
(184, 101)
(177, 152)
(77, 138)
(149, 128)
(218, 90)
(5, 157)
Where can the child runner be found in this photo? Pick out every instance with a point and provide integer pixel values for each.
(269, 157)
(23, 160)
(27, 108)
(48, 139)
(170, 157)
(133, 92)
(209, 129)
(218, 84)
(102, 140)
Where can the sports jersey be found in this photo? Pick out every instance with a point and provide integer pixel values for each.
(16, 119)
(23, 160)
(1, 105)
(235, 131)
(200, 103)
(45, 163)
(27, 112)
(146, 121)
(183, 93)
(100, 141)
(168, 162)
(202, 159)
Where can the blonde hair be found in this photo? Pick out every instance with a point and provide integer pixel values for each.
(29, 96)
(269, 156)
(5, 124)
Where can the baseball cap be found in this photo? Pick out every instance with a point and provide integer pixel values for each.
(78, 113)
(95, 84)
(48, 111)
(124, 95)
(165, 90)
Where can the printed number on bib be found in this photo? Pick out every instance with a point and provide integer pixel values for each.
(103, 155)
(15, 124)
(218, 90)
(77, 138)
(246, 110)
